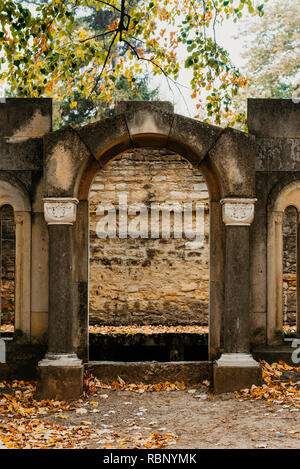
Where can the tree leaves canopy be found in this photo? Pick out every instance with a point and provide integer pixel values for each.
(46, 51)
(273, 51)
(272, 57)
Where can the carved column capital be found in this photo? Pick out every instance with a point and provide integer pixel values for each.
(278, 216)
(60, 211)
(238, 212)
(19, 217)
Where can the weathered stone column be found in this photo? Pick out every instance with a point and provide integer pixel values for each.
(236, 368)
(60, 372)
(23, 272)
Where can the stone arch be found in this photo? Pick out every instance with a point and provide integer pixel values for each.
(81, 234)
(15, 196)
(285, 194)
(87, 175)
(11, 194)
(224, 158)
(73, 155)
(106, 140)
(72, 158)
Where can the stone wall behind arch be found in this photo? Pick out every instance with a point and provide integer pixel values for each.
(148, 281)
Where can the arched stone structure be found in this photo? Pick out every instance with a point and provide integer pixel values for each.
(46, 177)
(275, 127)
(281, 197)
(15, 196)
(72, 158)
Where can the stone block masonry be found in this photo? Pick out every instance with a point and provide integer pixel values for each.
(46, 178)
(7, 259)
(145, 280)
(289, 266)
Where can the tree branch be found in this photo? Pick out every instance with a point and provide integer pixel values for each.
(105, 62)
(204, 31)
(119, 31)
(160, 68)
(214, 24)
(110, 5)
(99, 35)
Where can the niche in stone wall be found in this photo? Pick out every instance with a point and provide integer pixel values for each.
(150, 264)
(289, 271)
(7, 263)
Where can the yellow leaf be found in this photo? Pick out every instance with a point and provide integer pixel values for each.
(94, 404)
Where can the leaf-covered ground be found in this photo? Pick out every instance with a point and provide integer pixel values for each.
(149, 329)
(29, 424)
(289, 330)
(164, 415)
(6, 328)
(134, 329)
(281, 385)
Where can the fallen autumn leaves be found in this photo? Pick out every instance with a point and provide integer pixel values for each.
(91, 383)
(133, 329)
(7, 328)
(148, 329)
(281, 385)
(37, 434)
(26, 423)
(24, 428)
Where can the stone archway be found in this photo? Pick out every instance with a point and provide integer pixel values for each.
(17, 198)
(280, 199)
(72, 157)
(81, 235)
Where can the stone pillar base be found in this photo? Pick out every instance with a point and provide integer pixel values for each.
(60, 377)
(235, 371)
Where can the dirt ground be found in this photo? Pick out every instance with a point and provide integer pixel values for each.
(220, 422)
(191, 418)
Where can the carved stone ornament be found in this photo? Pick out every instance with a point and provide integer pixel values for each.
(60, 211)
(239, 212)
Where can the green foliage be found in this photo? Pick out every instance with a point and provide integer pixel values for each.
(272, 54)
(49, 51)
(89, 110)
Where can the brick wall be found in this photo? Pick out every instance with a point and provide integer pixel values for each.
(289, 265)
(145, 280)
(7, 264)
